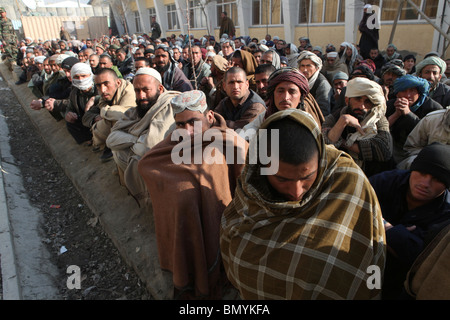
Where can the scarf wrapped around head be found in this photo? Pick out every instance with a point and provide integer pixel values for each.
(277, 249)
(359, 87)
(316, 60)
(82, 68)
(281, 75)
(409, 81)
(431, 61)
(307, 103)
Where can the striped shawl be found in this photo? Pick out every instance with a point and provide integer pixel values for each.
(318, 248)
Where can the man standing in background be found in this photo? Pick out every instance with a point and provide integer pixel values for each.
(156, 29)
(8, 38)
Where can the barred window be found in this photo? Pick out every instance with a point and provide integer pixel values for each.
(230, 8)
(197, 18)
(172, 17)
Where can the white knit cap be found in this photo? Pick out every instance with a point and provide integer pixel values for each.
(149, 71)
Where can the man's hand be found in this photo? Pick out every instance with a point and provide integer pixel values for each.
(71, 117)
(402, 106)
(49, 104)
(36, 104)
(351, 121)
(89, 104)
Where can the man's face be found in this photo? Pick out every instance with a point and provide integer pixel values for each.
(390, 51)
(54, 66)
(266, 58)
(307, 67)
(280, 45)
(176, 54)
(161, 59)
(147, 90)
(196, 55)
(258, 56)
(185, 54)
(431, 73)
(139, 64)
(236, 86)
(67, 72)
(3, 14)
(120, 56)
(287, 95)
(411, 94)
(105, 63)
(409, 64)
(237, 62)
(138, 54)
(82, 76)
(339, 83)
(262, 81)
(89, 44)
(424, 187)
(40, 66)
(187, 119)
(227, 49)
(331, 61)
(93, 61)
(389, 78)
(106, 85)
(303, 43)
(359, 106)
(47, 67)
(99, 50)
(292, 182)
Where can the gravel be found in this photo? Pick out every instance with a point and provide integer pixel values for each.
(68, 224)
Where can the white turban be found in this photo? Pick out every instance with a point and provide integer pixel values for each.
(332, 54)
(82, 68)
(359, 87)
(311, 56)
(149, 71)
(39, 59)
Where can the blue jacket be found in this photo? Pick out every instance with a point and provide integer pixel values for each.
(391, 188)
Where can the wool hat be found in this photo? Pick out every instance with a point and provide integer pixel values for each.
(434, 159)
(194, 100)
(340, 75)
(69, 62)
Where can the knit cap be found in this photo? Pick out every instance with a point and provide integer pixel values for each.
(434, 159)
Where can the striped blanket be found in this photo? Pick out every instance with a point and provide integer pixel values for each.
(323, 247)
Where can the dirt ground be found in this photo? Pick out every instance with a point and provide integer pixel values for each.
(68, 222)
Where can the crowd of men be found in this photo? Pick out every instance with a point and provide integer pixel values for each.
(362, 145)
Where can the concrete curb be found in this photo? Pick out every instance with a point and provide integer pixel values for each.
(10, 278)
(130, 228)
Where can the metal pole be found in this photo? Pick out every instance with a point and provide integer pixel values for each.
(394, 27)
(429, 20)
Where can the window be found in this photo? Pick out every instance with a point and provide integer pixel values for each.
(151, 13)
(197, 18)
(267, 12)
(137, 21)
(172, 18)
(389, 9)
(230, 8)
(321, 11)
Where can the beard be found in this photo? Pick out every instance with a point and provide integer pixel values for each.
(162, 69)
(143, 105)
(359, 116)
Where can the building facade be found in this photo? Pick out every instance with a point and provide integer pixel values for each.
(322, 21)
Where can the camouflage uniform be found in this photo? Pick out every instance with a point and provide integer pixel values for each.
(8, 37)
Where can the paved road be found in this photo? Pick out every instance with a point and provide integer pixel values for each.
(26, 270)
